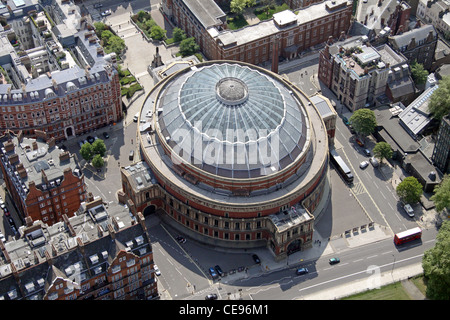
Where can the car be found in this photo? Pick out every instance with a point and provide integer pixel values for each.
(213, 273)
(352, 131)
(334, 260)
(219, 270)
(374, 162)
(364, 164)
(345, 120)
(136, 116)
(90, 139)
(301, 271)
(157, 272)
(256, 258)
(131, 155)
(180, 239)
(211, 296)
(98, 5)
(7, 212)
(106, 135)
(367, 152)
(359, 142)
(80, 143)
(106, 13)
(2, 237)
(409, 210)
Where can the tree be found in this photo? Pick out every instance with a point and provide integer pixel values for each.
(418, 73)
(98, 147)
(363, 121)
(188, 47)
(106, 35)
(441, 196)
(436, 265)
(178, 34)
(86, 151)
(382, 150)
(238, 6)
(98, 161)
(409, 190)
(115, 44)
(439, 105)
(157, 33)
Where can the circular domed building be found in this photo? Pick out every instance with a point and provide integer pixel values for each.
(233, 155)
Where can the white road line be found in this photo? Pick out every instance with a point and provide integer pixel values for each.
(372, 257)
(356, 273)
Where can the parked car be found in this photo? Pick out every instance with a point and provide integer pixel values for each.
(352, 131)
(131, 155)
(106, 135)
(409, 210)
(98, 5)
(136, 116)
(367, 152)
(219, 270)
(157, 272)
(374, 162)
(301, 271)
(364, 164)
(90, 139)
(106, 13)
(256, 258)
(211, 296)
(213, 273)
(2, 237)
(346, 122)
(359, 142)
(334, 260)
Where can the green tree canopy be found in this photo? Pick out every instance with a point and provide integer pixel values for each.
(87, 151)
(238, 6)
(188, 47)
(441, 196)
(178, 34)
(409, 190)
(115, 44)
(157, 33)
(436, 265)
(98, 147)
(363, 121)
(418, 73)
(439, 105)
(98, 161)
(382, 150)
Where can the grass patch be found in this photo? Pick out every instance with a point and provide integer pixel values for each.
(237, 22)
(394, 291)
(267, 12)
(421, 283)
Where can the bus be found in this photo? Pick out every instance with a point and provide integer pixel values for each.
(341, 166)
(408, 235)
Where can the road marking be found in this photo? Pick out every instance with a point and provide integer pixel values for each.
(358, 260)
(372, 257)
(359, 272)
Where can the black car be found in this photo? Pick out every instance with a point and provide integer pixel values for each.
(106, 135)
(211, 296)
(90, 139)
(301, 271)
(219, 270)
(180, 239)
(256, 258)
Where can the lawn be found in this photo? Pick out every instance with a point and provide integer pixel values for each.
(265, 13)
(394, 291)
(237, 22)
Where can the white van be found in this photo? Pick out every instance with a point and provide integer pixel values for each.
(136, 116)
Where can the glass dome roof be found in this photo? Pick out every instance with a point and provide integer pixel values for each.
(232, 120)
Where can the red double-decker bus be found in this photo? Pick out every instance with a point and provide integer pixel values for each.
(408, 235)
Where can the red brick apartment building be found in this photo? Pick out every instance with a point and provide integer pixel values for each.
(43, 181)
(293, 32)
(65, 104)
(98, 254)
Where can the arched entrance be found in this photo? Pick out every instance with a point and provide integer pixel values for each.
(294, 246)
(69, 132)
(149, 210)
